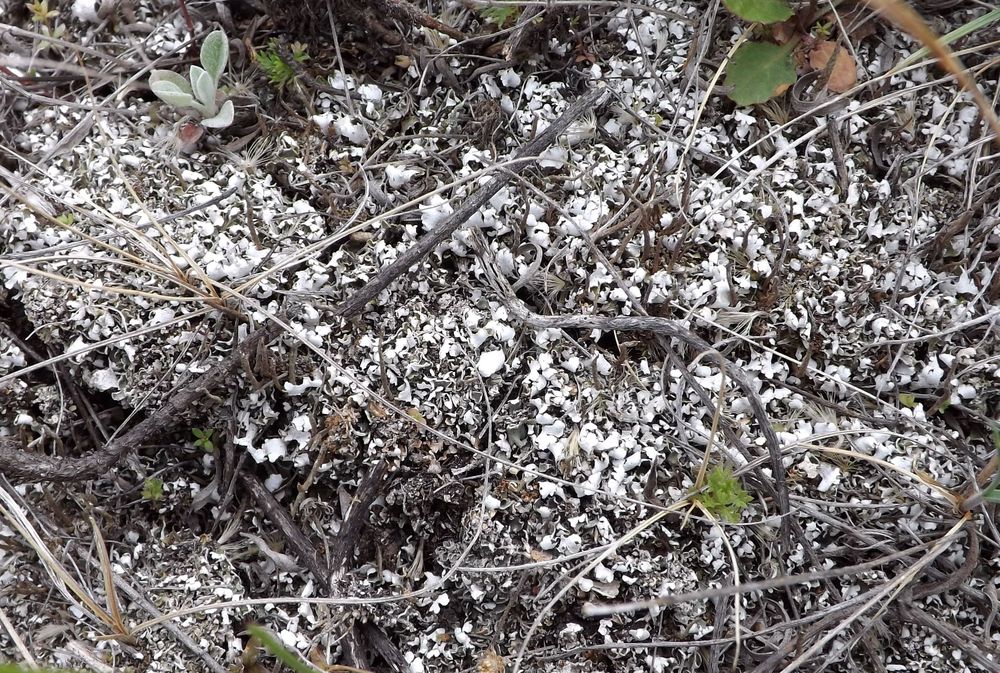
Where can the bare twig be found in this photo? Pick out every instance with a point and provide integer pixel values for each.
(370, 488)
(981, 653)
(24, 466)
(283, 521)
(660, 326)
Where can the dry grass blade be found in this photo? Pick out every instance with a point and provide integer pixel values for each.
(594, 610)
(884, 596)
(737, 595)
(114, 607)
(48, 362)
(960, 32)
(952, 499)
(63, 580)
(907, 19)
(18, 642)
(86, 654)
(716, 417)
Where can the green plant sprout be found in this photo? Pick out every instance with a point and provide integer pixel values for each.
(40, 15)
(500, 15)
(279, 72)
(203, 439)
(723, 497)
(40, 12)
(152, 490)
(280, 652)
(202, 93)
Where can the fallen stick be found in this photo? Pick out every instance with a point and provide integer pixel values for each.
(662, 326)
(29, 467)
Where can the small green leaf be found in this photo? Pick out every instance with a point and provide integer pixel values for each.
(170, 94)
(204, 88)
(760, 11)
(280, 652)
(759, 71)
(299, 52)
(215, 54)
(223, 119)
(152, 489)
(169, 76)
(500, 14)
(203, 436)
(908, 400)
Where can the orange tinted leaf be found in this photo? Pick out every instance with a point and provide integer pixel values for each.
(844, 73)
(784, 31)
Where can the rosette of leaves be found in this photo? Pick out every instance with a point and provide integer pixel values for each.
(201, 93)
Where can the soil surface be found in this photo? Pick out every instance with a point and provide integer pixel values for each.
(694, 386)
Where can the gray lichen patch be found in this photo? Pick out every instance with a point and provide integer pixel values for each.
(524, 466)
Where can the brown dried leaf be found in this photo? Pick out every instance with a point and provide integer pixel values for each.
(784, 31)
(844, 74)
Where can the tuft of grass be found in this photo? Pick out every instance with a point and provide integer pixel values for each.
(279, 72)
(724, 497)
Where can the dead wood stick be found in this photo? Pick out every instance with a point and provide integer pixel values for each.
(524, 156)
(358, 637)
(25, 466)
(370, 488)
(979, 649)
(282, 520)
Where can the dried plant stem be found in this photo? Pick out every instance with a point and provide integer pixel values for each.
(906, 18)
(19, 645)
